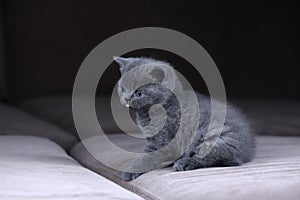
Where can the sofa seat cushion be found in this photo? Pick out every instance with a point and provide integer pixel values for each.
(37, 168)
(14, 121)
(273, 174)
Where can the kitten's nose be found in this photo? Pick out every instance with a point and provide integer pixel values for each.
(126, 99)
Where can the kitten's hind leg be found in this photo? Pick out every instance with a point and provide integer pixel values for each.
(227, 152)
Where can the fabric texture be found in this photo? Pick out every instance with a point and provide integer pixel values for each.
(58, 110)
(268, 117)
(36, 168)
(272, 117)
(17, 122)
(273, 174)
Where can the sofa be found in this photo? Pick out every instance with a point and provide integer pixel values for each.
(43, 158)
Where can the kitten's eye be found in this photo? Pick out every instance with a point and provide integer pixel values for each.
(138, 94)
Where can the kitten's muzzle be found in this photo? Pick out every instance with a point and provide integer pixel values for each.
(126, 100)
(127, 105)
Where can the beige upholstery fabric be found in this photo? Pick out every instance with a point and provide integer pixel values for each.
(268, 117)
(273, 174)
(17, 122)
(33, 168)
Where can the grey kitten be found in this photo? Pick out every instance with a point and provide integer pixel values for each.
(233, 147)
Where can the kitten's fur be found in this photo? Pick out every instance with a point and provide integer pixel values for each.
(233, 147)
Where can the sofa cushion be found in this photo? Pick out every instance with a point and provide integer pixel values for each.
(273, 174)
(17, 122)
(269, 117)
(36, 168)
(58, 110)
(272, 117)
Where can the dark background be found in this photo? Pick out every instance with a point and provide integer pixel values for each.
(255, 44)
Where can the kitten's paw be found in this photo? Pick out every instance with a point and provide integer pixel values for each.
(127, 176)
(185, 164)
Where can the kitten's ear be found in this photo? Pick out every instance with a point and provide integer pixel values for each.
(121, 61)
(165, 76)
(158, 74)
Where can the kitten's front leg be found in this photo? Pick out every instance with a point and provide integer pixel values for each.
(149, 149)
(147, 162)
(134, 171)
(128, 176)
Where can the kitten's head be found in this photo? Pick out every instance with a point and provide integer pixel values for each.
(133, 93)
